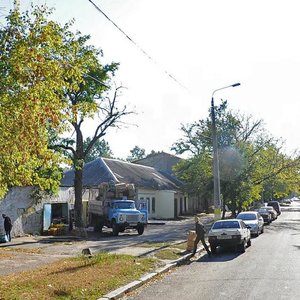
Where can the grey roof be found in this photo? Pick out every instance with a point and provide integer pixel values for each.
(161, 161)
(105, 170)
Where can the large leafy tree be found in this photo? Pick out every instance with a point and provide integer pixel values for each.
(51, 82)
(249, 160)
(88, 96)
(31, 85)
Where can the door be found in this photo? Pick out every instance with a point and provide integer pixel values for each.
(143, 208)
(175, 208)
(47, 216)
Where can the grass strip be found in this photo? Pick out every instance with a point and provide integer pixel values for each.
(76, 278)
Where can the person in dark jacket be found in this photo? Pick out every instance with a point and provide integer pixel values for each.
(200, 232)
(7, 226)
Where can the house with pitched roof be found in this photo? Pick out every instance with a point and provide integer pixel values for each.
(158, 189)
(164, 163)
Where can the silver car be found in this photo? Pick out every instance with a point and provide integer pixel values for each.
(254, 220)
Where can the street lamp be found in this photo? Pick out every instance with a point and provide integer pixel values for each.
(216, 171)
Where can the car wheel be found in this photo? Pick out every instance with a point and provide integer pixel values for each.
(213, 249)
(262, 229)
(242, 247)
(249, 243)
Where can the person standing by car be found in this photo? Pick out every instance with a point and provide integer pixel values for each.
(200, 234)
(7, 226)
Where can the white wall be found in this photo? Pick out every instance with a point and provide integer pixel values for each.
(26, 212)
(164, 203)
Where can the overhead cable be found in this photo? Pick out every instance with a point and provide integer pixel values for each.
(132, 41)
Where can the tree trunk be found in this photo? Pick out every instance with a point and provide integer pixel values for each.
(78, 179)
(78, 197)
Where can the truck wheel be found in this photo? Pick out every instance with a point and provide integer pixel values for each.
(98, 227)
(121, 229)
(115, 228)
(140, 229)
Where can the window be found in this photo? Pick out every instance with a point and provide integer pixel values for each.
(153, 205)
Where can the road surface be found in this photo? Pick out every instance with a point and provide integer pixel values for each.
(269, 269)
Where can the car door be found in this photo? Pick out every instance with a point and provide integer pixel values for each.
(245, 231)
(260, 221)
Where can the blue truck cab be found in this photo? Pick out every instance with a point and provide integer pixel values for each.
(123, 214)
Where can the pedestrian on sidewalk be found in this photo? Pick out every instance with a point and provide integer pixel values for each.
(200, 236)
(7, 226)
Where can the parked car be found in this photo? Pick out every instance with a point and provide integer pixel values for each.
(285, 202)
(229, 233)
(254, 220)
(276, 206)
(272, 211)
(266, 215)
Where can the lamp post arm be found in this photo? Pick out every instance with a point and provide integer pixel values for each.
(225, 87)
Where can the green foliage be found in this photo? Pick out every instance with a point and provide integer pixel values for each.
(252, 165)
(31, 85)
(100, 149)
(136, 153)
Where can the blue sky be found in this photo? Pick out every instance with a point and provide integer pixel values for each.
(205, 45)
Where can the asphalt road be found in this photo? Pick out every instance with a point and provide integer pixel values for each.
(269, 269)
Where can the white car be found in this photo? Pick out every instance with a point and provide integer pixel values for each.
(254, 220)
(229, 233)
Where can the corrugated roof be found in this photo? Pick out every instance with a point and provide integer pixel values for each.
(94, 173)
(140, 175)
(104, 170)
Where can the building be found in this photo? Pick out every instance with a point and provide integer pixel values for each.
(164, 196)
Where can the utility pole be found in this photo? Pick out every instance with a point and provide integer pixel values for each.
(17, 4)
(216, 171)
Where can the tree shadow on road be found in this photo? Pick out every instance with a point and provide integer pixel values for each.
(293, 224)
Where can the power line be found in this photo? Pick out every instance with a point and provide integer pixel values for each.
(133, 42)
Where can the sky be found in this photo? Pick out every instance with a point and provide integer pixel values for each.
(204, 45)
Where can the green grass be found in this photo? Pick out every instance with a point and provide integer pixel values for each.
(168, 254)
(76, 278)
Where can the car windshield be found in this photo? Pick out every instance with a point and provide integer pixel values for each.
(124, 204)
(226, 224)
(246, 217)
(269, 208)
(263, 210)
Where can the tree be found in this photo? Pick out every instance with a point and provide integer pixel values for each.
(101, 149)
(31, 86)
(88, 96)
(52, 81)
(136, 153)
(249, 159)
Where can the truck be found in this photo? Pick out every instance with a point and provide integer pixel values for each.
(114, 206)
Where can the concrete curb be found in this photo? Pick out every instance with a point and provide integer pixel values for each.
(120, 292)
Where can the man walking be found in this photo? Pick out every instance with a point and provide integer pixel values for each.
(7, 226)
(200, 232)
